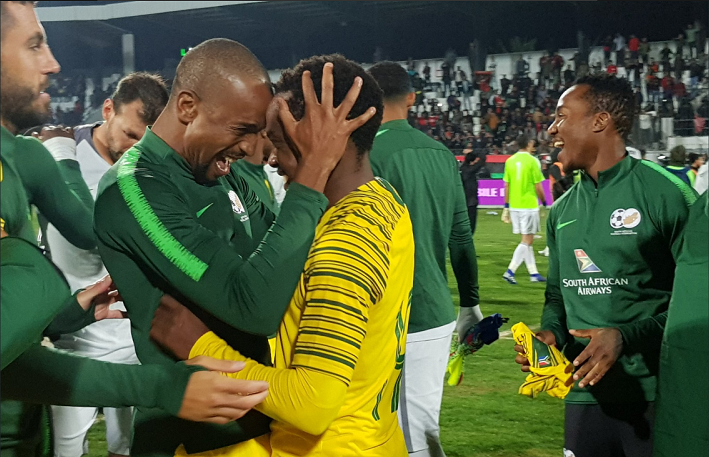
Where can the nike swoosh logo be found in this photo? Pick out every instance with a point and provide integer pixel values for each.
(200, 212)
(560, 226)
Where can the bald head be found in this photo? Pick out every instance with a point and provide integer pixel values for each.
(216, 61)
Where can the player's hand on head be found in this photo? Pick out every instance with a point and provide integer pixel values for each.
(175, 328)
(54, 131)
(599, 356)
(211, 397)
(322, 134)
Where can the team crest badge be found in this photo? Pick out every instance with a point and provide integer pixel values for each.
(625, 218)
(585, 263)
(236, 205)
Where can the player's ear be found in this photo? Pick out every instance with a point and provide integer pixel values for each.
(107, 111)
(601, 121)
(410, 99)
(186, 105)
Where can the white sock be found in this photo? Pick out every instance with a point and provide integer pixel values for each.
(530, 262)
(518, 257)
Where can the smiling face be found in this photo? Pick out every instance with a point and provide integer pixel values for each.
(222, 126)
(25, 65)
(572, 130)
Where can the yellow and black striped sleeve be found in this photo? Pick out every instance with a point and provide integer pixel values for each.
(345, 276)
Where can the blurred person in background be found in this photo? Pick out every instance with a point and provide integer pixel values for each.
(523, 192)
(472, 164)
(252, 169)
(678, 165)
(695, 162)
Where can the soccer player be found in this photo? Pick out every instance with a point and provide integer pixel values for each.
(173, 217)
(136, 103)
(682, 423)
(33, 291)
(252, 169)
(612, 239)
(425, 174)
(523, 191)
(334, 387)
(66, 204)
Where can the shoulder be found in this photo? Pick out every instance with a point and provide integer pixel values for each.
(31, 147)
(392, 141)
(84, 132)
(375, 207)
(664, 184)
(135, 183)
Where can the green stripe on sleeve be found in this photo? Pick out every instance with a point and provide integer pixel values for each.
(149, 222)
(689, 195)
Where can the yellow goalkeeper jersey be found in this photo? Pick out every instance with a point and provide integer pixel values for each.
(344, 331)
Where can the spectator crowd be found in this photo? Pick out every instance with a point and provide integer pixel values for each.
(673, 87)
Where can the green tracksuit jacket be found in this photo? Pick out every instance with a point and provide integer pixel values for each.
(682, 418)
(611, 264)
(425, 174)
(159, 231)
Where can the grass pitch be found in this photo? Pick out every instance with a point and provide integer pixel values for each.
(485, 417)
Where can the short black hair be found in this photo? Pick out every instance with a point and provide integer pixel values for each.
(522, 141)
(219, 58)
(344, 73)
(693, 157)
(392, 79)
(6, 19)
(612, 95)
(149, 88)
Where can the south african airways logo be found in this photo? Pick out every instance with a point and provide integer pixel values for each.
(585, 263)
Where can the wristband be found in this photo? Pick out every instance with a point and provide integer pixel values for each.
(544, 203)
(61, 148)
(507, 205)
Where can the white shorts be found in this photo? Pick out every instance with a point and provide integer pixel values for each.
(422, 389)
(525, 221)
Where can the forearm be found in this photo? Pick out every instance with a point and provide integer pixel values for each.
(465, 268)
(44, 375)
(281, 254)
(71, 172)
(298, 396)
(462, 252)
(554, 312)
(540, 193)
(71, 319)
(554, 315)
(507, 194)
(643, 335)
(60, 192)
